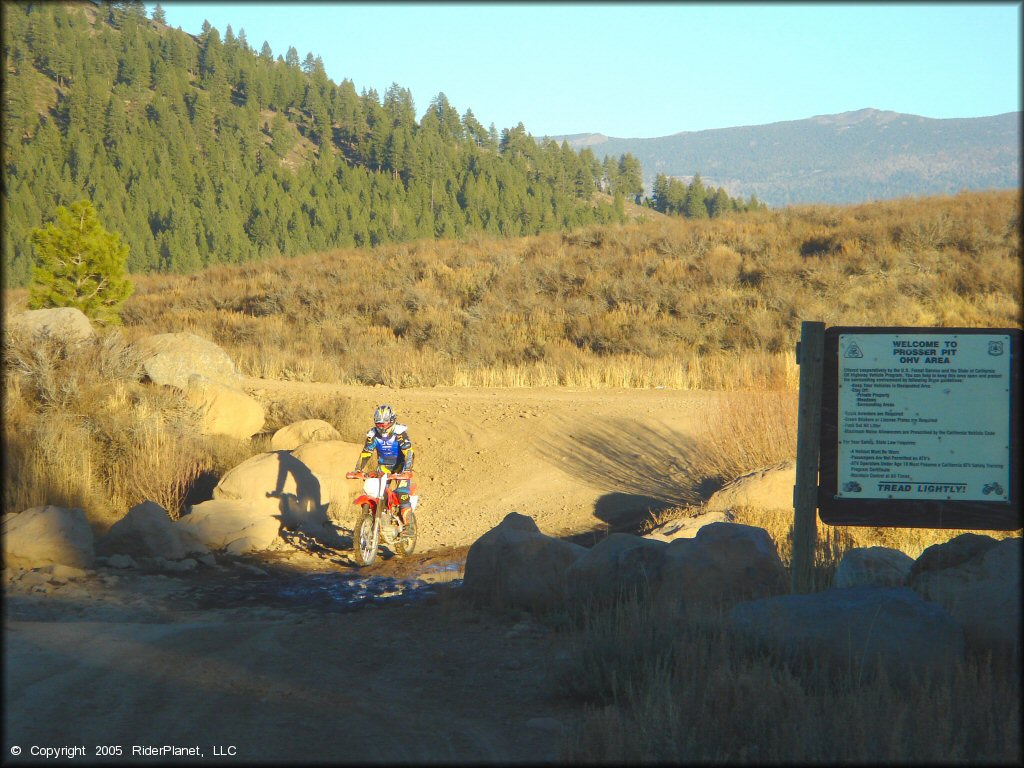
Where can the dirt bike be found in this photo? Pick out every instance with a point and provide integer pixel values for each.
(379, 517)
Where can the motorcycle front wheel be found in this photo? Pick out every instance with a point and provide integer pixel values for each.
(406, 543)
(365, 537)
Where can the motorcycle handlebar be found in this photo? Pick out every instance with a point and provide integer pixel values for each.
(395, 476)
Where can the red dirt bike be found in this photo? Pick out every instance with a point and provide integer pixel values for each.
(379, 517)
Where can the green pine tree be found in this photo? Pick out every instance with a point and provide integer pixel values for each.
(693, 206)
(79, 264)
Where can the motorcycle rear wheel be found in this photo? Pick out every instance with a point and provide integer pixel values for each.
(365, 537)
(406, 543)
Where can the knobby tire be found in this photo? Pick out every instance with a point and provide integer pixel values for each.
(365, 520)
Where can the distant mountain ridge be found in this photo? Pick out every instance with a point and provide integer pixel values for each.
(844, 158)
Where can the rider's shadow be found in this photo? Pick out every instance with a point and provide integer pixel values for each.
(304, 511)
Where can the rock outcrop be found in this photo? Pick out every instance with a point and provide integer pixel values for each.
(767, 488)
(64, 322)
(687, 527)
(148, 531)
(172, 358)
(620, 565)
(724, 563)
(236, 526)
(225, 410)
(48, 536)
(873, 567)
(952, 553)
(515, 564)
(279, 486)
(329, 460)
(979, 585)
(856, 629)
(293, 435)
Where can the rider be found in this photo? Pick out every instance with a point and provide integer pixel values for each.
(394, 452)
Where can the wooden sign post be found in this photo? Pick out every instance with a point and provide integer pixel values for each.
(810, 357)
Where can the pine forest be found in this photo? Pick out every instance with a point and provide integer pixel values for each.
(202, 151)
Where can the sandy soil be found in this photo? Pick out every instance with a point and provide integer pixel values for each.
(262, 656)
(574, 460)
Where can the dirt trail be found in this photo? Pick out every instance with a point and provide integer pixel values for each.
(575, 460)
(137, 659)
(397, 684)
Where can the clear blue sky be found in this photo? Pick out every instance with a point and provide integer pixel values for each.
(644, 70)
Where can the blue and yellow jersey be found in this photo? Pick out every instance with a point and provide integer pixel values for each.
(394, 452)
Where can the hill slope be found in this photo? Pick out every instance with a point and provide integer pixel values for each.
(845, 158)
(201, 151)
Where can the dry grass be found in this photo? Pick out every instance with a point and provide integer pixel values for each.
(81, 431)
(758, 430)
(677, 303)
(659, 689)
(671, 303)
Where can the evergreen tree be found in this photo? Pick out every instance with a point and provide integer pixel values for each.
(79, 264)
(693, 205)
(282, 135)
(630, 177)
(720, 204)
(158, 14)
(659, 193)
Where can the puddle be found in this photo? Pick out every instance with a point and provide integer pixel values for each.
(444, 567)
(334, 591)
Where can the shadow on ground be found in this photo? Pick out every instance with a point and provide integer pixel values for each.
(645, 468)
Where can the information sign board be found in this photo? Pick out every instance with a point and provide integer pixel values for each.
(920, 428)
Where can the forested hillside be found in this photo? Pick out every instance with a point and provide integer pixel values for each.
(201, 151)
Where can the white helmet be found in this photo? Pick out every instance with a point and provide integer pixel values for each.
(384, 419)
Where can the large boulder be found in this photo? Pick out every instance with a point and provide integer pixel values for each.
(724, 563)
(48, 535)
(225, 410)
(306, 431)
(620, 565)
(171, 358)
(873, 567)
(329, 460)
(952, 553)
(237, 526)
(982, 593)
(856, 628)
(280, 486)
(64, 322)
(687, 527)
(767, 488)
(515, 564)
(148, 531)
